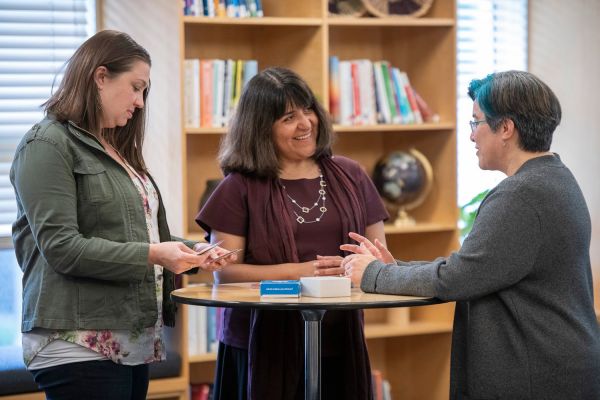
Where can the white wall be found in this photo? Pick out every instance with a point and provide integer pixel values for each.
(565, 53)
(155, 25)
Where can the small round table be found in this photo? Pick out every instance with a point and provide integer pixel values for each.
(246, 295)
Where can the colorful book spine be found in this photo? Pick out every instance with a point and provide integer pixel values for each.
(384, 116)
(356, 111)
(389, 94)
(259, 9)
(405, 110)
(334, 88)
(250, 69)
(411, 98)
(206, 95)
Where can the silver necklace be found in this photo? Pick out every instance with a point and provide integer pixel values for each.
(305, 210)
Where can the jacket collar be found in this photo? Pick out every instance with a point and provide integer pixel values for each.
(84, 136)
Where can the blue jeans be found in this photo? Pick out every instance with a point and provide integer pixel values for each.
(93, 380)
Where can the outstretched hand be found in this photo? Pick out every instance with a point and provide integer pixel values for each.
(377, 250)
(365, 252)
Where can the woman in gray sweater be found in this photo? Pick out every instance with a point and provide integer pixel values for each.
(524, 326)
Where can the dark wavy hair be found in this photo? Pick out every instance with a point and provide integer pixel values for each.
(523, 98)
(77, 99)
(248, 146)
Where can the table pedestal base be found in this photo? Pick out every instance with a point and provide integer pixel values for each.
(312, 353)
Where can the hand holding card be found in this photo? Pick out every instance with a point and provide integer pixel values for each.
(225, 255)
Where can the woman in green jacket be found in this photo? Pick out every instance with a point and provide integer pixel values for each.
(91, 234)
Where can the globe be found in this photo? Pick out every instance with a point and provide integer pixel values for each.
(403, 179)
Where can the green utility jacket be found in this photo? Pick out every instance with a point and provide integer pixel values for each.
(81, 237)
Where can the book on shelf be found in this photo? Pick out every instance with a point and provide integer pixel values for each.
(389, 93)
(381, 387)
(400, 92)
(206, 92)
(346, 98)
(200, 391)
(334, 88)
(377, 384)
(384, 116)
(367, 92)
(191, 93)
(411, 98)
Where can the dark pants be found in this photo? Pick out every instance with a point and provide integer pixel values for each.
(93, 380)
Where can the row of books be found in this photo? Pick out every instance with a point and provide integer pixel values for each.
(202, 329)
(212, 89)
(223, 8)
(201, 391)
(365, 92)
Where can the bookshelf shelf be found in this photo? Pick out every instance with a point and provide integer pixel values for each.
(395, 128)
(375, 331)
(419, 228)
(264, 21)
(301, 36)
(203, 358)
(395, 21)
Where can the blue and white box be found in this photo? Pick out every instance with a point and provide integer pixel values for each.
(288, 288)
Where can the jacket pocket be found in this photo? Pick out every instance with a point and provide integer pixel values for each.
(92, 180)
(107, 305)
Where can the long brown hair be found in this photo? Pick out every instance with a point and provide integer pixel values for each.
(248, 146)
(77, 98)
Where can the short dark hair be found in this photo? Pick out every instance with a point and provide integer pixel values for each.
(77, 99)
(248, 146)
(523, 98)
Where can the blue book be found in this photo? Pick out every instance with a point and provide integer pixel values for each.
(250, 69)
(289, 288)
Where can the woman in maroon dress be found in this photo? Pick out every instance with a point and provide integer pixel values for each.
(286, 201)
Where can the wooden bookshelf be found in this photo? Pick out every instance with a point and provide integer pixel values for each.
(410, 346)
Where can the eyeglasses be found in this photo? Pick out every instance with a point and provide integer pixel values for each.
(473, 124)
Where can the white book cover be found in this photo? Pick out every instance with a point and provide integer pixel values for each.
(346, 102)
(228, 90)
(367, 92)
(192, 330)
(218, 92)
(191, 90)
(201, 326)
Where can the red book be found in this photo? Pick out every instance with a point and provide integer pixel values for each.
(200, 391)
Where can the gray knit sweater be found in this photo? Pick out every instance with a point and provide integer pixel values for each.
(524, 326)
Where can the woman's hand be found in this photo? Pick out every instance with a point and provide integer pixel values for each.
(377, 250)
(354, 266)
(215, 252)
(178, 258)
(328, 266)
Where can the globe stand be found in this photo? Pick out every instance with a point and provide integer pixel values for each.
(403, 219)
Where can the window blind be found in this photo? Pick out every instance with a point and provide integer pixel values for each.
(491, 37)
(37, 37)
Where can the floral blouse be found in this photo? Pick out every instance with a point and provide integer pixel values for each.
(138, 346)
